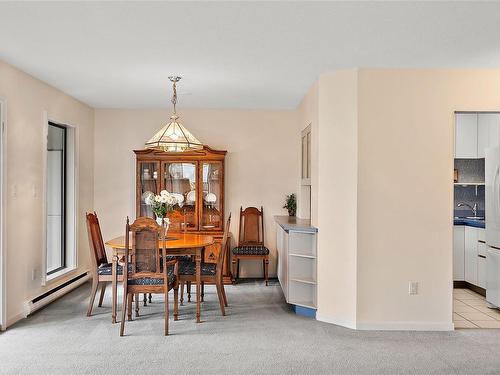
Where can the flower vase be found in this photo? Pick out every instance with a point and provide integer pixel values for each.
(163, 222)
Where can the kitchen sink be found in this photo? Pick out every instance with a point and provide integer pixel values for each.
(475, 217)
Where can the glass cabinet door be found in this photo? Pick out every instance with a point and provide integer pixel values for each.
(211, 186)
(148, 183)
(179, 178)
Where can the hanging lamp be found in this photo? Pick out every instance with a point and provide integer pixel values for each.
(174, 137)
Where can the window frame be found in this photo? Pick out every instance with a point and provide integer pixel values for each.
(72, 203)
(63, 199)
(3, 212)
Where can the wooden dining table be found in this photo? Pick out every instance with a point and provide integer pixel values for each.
(177, 244)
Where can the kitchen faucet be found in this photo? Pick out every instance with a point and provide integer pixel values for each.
(473, 208)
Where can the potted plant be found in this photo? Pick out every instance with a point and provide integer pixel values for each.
(291, 204)
(161, 204)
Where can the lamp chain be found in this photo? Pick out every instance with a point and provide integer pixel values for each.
(174, 96)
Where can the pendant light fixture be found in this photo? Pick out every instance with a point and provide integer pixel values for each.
(174, 137)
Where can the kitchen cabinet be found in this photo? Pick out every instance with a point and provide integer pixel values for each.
(474, 133)
(469, 255)
(470, 247)
(481, 271)
(466, 136)
(488, 128)
(458, 252)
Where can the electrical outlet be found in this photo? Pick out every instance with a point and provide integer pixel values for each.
(413, 288)
(33, 274)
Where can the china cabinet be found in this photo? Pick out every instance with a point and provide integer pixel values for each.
(196, 178)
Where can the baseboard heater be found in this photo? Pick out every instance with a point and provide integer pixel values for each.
(53, 294)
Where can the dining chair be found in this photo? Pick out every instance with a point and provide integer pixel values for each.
(150, 271)
(251, 240)
(101, 267)
(210, 272)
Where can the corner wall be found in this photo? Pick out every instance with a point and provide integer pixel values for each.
(385, 192)
(405, 191)
(337, 181)
(26, 100)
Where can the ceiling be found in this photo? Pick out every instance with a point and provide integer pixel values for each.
(235, 54)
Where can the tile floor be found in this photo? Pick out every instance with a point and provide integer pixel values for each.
(470, 311)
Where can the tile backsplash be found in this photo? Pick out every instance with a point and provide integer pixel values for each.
(469, 171)
(469, 195)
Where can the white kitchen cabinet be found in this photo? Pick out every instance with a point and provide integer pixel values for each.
(470, 247)
(469, 255)
(466, 136)
(488, 128)
(481, 271)
(458, 252)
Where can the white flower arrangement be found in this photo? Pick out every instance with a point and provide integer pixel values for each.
(161, 203)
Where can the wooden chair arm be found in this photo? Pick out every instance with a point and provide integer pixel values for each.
(174, 263)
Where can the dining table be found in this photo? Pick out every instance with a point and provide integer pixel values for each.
(177, 244)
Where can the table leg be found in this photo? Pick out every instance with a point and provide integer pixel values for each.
(114, 281)
(198, 285)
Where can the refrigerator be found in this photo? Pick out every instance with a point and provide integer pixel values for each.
(492, 217)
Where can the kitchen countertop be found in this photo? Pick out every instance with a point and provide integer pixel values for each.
(293, 223)
(469, 222)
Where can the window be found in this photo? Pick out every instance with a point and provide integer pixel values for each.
(306, 156)
(56, 198)
(3, 310)
(305, 188)
(60, 200)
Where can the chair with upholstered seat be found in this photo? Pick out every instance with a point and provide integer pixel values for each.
(251, 240)
(101, 274)
(210, 272)
(101, 267)
(150, 270)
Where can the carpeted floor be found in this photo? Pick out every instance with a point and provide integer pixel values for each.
(258, 336)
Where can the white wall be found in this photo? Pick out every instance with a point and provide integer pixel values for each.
(337, 154)
(27, 98)
(385, 192)
(405, 196)
(261, 163)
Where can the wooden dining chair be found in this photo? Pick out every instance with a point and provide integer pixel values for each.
(210, 272)
(101, 267)
(150, 271)
(251, 240)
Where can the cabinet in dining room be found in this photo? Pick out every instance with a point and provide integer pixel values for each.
(196, 179)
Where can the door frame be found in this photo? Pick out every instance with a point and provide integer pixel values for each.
(3, 210)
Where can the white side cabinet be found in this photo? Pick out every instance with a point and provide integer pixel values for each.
(466, 136)
(297, 264)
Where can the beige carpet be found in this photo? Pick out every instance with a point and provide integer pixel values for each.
(258, 336)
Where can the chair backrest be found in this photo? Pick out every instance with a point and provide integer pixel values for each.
(224, 248)
(145, 250)
(97, 249)
(251, 231)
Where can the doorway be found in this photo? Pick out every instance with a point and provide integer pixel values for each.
(476, 220)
